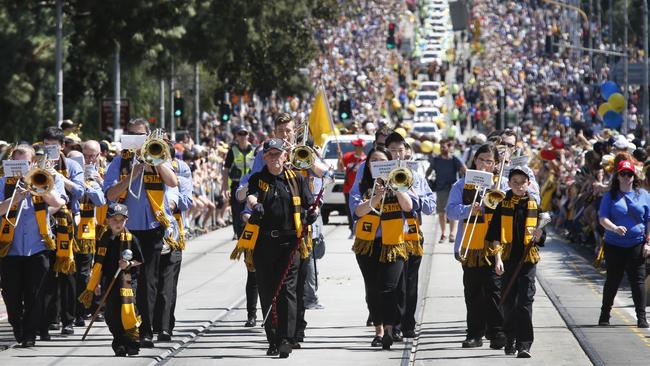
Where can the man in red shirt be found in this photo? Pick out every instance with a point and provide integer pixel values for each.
(351, 162)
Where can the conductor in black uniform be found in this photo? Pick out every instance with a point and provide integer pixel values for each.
(280, 200)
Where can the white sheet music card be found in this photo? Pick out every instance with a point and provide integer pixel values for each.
(52, 151)
(479, 178)
(15, 168)
(132, 142)
(515, 161)
(414, 166)
(381, 169)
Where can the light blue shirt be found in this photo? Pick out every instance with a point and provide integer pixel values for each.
(141, 216)
(456, 210)
(95, 194)
(426, 199)
(76, 175)
(185, 185)
(27, 239)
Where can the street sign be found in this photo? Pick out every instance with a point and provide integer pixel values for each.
(634, 74)
(106, 113)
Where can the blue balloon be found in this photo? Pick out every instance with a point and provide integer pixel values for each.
(608, 88)
(613, 120)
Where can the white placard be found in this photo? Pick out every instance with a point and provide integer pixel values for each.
(381, 169)
(79, 159)
(414, 166)
(519, 161)
(15, 168)
(479, 178)
(52, 152)
(132, 142)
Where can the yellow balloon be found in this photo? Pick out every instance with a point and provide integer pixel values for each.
(412, 107)
(617, 102)
(436, 148)
(604, 108)
(426, 147)
(401, 131)
(409, 140)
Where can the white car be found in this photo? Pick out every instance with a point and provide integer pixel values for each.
(426, 128)
(429, 86)
(426, 114)
(334, 198)
(426, 98)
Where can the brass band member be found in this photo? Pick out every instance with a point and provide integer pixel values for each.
(26, 249)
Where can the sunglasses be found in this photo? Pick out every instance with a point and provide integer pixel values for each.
(626, 174)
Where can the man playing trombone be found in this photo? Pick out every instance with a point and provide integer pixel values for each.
(150, 211)
(26, 244)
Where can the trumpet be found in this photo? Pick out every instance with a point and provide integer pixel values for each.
(400, 179)
(302, 157)
(38, 182)
(153, 152)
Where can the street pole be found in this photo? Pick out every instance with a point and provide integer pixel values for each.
(610, 29)
(59, 61)
(197, 113)
(646, 96)
(162, 102)
(172, 129)
(116, 102)
(626, 62)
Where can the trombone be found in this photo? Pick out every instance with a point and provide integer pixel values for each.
(496, 195)
(38, 182)
(154, 152)
(463, 256)
(302, 156)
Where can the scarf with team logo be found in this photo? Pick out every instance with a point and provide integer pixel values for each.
(393, 238)
(64, 262)
(86, 231)
(478, 253)
(7, 229)
(155, 190)
(130, 319)
(413, 236)
(507, 209)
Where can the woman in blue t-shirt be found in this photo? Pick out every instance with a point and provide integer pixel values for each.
(625, 215)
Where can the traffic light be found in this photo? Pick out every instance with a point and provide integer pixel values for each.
(224, 112)
(179, 103)
(345, 110)
(390, 40)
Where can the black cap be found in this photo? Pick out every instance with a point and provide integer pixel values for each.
(277, 144)
(241, 128)
(117, 209)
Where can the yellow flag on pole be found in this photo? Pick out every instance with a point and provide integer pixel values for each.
(320, 122)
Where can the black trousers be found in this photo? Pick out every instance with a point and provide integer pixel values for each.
(163, 313)
(148, 275)
(301, 323)
(177, 274)
(411, 278)
(630, 261)
(23, 280)
(518, 305)
(347, 211)
(482, 295)
(251, 294)
(381, 281)
(236, 208)
(272, 257)
(113, 313)
(84, 263)
(60, 297)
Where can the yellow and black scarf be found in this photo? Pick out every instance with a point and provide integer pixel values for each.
(413, 236)
(477, 255)
(507, 213)
(86, 231)
(393, 237)
(178, 216)
(130, 319)
(155, 189)
(7, 229)
(64, 242)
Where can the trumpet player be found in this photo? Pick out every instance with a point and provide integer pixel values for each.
(150, 215)
(482, 285)
(26, 245)
(61, 299)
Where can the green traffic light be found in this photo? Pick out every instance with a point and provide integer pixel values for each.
(177, 113)
(344, 115)
(225, 117)
(390, 46)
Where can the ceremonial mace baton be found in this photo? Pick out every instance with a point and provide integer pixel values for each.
(127, 255)
(544, 219)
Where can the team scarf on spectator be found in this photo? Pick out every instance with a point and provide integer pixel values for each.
(7, 229)
(178, 216)
(155, 189)
(86, 231)
(64, 262)
(413, 236)
(393, 238)
(477, 255)
(507, 228)
(130, 320)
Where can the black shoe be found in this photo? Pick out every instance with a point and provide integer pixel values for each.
(100, 317)
(641, 323)
(28, 343)
(510, 347)
(284, 349)
(604, 319)
(498, 341)
(45, 336)
(18, 335)
(146, 342)
(67, 330)
(386, 341)
(54, 326)
(376, 342)
(397, 336)
(472, 342)
(272, 351)
(164, 336)
(523, 353)
(369, 322)
(408, 334)
(132, 351)
(79, 322)
(251, 322)
(295, 344)
(120, 351)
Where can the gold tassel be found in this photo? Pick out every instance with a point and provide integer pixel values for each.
(237, 252)
(304, 251)
(362, 247)
(49, 242)
(84, 246)
(4, 249)
(476, 258)
(414, 247)
(132, 334)
(248, 260)
(64, 265)
(390, 253)
(86, 298)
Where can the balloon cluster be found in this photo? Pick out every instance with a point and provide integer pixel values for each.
(611, 110)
